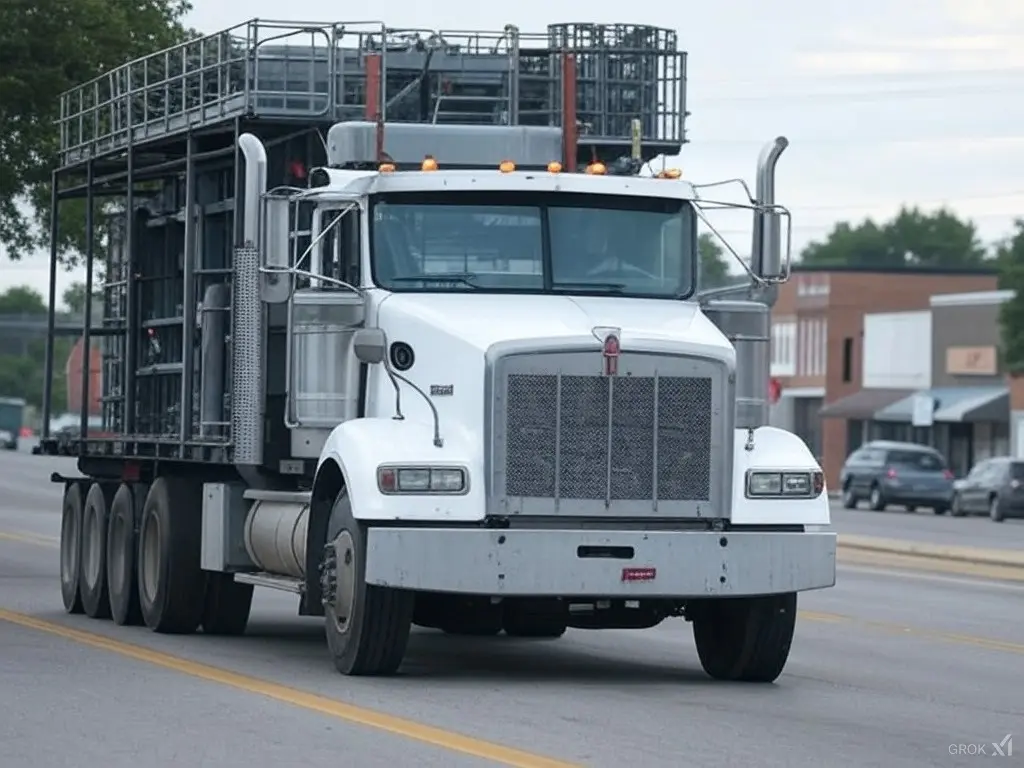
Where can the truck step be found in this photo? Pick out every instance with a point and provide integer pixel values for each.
(271, 581)
(286, 497)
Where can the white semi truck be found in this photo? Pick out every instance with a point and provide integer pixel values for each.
(415, 367)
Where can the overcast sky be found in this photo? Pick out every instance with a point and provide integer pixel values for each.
(885, 102)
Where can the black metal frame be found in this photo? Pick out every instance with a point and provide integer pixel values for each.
(160, 135)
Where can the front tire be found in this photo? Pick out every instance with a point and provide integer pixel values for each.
(849, 497)
(954, 507)
(171, 582)
(71, 549)
(367, 626)
(745, 639)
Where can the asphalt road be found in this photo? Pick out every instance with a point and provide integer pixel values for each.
(889, 669)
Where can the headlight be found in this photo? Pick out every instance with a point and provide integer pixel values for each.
(422, 480)
(767, 484)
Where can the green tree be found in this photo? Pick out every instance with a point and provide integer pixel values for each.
(74, 298)
(910, 239)
(1010, 257)
(23, 354)
(22, 300)
(46, 48)
(714, 269)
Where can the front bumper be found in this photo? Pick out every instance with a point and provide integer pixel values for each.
(575, 563)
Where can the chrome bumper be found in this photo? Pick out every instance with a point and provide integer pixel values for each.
(623, 564)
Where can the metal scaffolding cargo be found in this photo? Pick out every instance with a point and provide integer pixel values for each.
(152, 147)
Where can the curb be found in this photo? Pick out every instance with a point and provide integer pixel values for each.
(972, 555)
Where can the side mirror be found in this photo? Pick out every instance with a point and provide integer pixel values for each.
(276, 283)
(772, 267)
(370, 345)
(767, 259)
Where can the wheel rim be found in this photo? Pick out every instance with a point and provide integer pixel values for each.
(875, 496)
(91, 548)
(993, 509)
(150, 557)
(69, 535)
(345, 582)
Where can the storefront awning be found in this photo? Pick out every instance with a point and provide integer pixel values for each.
(990, 405)
(954, 404)
(863, 404)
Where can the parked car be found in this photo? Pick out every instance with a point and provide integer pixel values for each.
(994, 487)
(891, 473)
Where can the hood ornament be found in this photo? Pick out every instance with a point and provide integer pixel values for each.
(610, 348)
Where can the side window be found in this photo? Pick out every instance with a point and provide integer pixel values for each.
(997, 474)
(876, 457)
(339, 243)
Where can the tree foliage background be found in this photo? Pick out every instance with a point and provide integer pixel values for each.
(23, 356)
(1010, 257)
(46, 48)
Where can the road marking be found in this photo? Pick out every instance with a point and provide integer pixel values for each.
(438, 737)
(903, 629)
(929, 564)
(31, 538)
(933, 576)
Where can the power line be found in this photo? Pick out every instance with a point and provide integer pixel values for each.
(865, 77)
(698, 142)
(694, 101)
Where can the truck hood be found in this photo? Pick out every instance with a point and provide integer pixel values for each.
(481, 320)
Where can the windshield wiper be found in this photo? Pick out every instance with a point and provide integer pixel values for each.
(610, 287)
(465, 278)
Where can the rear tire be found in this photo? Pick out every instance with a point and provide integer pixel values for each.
(367, 626)
(995, 513)
(93, 585)
(540, 623)
(876, 500)
(473, 621)
(172, 584)
(122, 547)
(227, 607)
(71, 549)
(746, 639)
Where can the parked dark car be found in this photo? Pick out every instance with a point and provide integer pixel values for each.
(993, 487)
(890, 473)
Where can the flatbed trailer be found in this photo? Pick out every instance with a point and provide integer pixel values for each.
(351, 349)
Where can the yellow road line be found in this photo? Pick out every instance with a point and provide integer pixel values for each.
(426, 734)
(31, 538)
(903, 629)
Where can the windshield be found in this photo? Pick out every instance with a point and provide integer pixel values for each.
(924, 461)
(523, 241)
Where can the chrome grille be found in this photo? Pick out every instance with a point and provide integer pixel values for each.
(615, 438)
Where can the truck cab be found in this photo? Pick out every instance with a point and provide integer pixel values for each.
(519, 406)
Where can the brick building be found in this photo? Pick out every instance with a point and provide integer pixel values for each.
(817, 345)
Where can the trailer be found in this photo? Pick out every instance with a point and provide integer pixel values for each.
(397, 321)
(12, 419)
